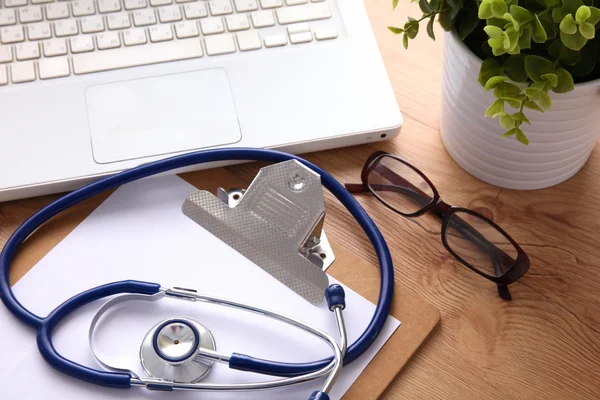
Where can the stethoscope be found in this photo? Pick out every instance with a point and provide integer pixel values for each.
(178, 352)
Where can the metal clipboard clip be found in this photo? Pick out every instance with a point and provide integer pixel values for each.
(277, 223)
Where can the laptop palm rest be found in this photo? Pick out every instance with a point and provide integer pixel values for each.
(161, 115)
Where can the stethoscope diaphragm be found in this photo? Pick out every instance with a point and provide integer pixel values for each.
(170, 350)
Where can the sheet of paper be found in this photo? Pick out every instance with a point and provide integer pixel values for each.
(140, 233)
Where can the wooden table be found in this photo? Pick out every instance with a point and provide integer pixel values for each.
(545, 343)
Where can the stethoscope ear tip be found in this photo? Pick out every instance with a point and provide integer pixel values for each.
(318, 395)
(335, 296)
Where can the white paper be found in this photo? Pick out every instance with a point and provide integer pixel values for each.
(140, 233)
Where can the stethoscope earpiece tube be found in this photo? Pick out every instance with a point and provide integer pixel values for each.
(115, 379)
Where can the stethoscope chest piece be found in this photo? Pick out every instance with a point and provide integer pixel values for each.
(170, 350)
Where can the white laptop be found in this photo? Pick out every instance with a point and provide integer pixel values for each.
(92, 87)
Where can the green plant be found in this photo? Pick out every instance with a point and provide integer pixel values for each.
(528, 47)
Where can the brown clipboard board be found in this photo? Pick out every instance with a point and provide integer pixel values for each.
(418, 318)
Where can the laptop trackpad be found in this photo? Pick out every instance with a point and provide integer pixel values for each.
(161, 115)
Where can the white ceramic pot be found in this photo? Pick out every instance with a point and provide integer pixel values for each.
(560, 140)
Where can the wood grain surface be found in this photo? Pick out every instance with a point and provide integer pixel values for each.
(545, 343)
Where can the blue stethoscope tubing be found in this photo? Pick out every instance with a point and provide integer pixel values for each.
(46, 325)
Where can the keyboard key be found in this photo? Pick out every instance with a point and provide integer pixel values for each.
(41, 1)
(271, 3)
(309, 12)
(22, 72)
(183, 1)
(108, 40)
(55, 47)
(81, 8)
(118, 20)
(195, 10)
(15, 3)
(5, 54)
(144, 17)
(220, 7)
(66, 28)
(106, 6)
(40, 30)
(297, 28)
(220, 44)
(186, 29)
(211, 26)
(3, 75)
(134, 37)
(30, 14)
(246, 5)
(82, 44)
(125, 57)
(12, 34)
(326, 33)
(169, 14)
(156, 3)
(161, 33)
(54, 68)
(295, 2)
(275, 41)
(237, 22)
(135, 4)
(57, 11)
(27, 51)
(92, 24)
(302, 37)
(261, 19)
(7, 17)
(248, 41)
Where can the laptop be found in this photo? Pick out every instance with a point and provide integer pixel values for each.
(92, 87)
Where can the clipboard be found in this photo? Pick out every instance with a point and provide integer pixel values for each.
(418, 317)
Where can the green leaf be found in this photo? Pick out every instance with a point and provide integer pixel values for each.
(513, 102)
(589, 59)
(568, 7)
(489, 68)
(425, 7)
(485, 11)
(582, 14)
(539, 34)
(395, 30)
(435, 5)
(507, 121)
(587, 30)
(512, 21)
(552, 79)
(510, 132)
(507, 89)
(568, 25)
(494, 32)
(499, 8)
(468, 21)
(522, 15)
(445, 18)
(533, 93)
(430, 27)
(594, 17)
(536, 66)
(394, 4)
(514, 67)
(545, 19)
(565, 81)
(521, 137)
(565, 55)
(525, 39)
(533, 105)
(496, 107)
(573, 42)
(545, 101)
(519, 116)
(494, 81)
(405, 40)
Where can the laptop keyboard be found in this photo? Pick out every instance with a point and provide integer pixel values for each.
(47, 39)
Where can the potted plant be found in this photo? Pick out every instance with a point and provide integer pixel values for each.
(520, 86)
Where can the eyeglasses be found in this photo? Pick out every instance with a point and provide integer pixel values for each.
(471, 238)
